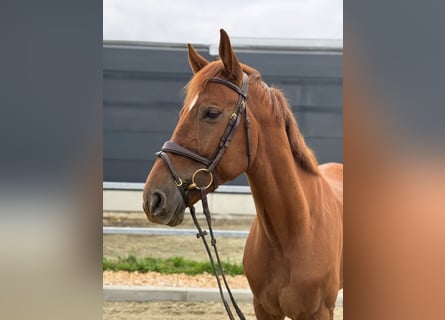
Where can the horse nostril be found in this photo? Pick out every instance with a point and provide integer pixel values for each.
(157, 202)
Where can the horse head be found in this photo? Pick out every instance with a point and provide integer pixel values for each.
(215, 105)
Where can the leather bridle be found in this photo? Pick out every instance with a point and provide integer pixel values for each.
(210, 166)
(226, 138)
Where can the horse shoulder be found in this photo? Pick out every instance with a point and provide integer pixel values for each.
(333, 173)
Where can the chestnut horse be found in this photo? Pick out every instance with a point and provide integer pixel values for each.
(294, 252)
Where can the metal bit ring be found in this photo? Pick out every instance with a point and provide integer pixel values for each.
(194, 185)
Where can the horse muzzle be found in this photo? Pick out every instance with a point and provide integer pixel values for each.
(164, 208)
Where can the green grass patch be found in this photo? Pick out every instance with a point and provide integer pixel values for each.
(168, 266)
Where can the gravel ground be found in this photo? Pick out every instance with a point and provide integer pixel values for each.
(170, 280)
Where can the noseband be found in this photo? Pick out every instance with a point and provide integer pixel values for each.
(210, 165)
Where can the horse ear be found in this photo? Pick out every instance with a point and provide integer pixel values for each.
(196, 61)
(229, 59)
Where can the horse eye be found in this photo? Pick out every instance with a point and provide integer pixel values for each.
(212, 114)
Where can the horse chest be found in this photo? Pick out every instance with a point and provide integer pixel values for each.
(266, 270)
(280, 283)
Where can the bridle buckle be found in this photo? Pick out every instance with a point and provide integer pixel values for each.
(179, 182)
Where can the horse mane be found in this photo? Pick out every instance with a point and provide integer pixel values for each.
(302, 154)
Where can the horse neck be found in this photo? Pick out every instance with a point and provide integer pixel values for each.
(281, 190)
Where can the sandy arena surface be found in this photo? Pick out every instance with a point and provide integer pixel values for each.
(157, 310)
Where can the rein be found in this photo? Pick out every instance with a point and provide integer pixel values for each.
(210, 165)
